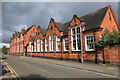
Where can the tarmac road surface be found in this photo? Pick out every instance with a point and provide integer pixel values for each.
(30, 67)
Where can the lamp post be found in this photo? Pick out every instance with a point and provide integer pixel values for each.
(81, 45)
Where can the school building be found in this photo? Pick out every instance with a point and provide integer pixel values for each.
(73, 40)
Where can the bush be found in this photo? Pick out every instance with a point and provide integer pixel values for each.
(4, 50)
(111, 39)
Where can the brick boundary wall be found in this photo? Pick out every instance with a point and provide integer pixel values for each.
(112, 56)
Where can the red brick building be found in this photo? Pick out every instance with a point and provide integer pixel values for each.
(72, 40)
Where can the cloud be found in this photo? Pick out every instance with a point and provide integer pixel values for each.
(4, 44)
(39, 13)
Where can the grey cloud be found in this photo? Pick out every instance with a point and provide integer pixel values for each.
(39, 13)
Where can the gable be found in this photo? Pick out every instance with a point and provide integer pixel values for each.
(109, 22)
(54, 28)
(75, 21)
(93, 20)
(31, 32)
(32, 28)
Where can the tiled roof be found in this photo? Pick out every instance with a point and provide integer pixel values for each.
(65, 30)
(94, 19)
(43, 31)
(29, 29)
(59, 25)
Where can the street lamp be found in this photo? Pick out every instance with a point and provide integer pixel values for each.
(81, 43)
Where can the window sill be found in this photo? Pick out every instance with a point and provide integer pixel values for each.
(65, 51)
(58, 51)
(51, 52)
(90, 51)
(76, 51)
(46, 52)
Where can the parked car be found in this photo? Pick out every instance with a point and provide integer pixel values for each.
(4, 56)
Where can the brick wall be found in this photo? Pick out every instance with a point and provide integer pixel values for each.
(111, 55)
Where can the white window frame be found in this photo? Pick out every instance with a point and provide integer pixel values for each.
(86, 43)
(42, 46)
(18, 39)
(28, 48)
(38, 45)
(51, 50)
(46, 43)
(57, 43)
(76, 38)
(64, 45)
(21, 38)
(30, 45)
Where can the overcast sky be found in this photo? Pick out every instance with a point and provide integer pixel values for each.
(15, 15)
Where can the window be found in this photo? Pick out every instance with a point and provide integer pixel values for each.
(42, 45)
(22, 48)
(76, 42)
(46, 44)
(110, 16)
(38, 45)
(34, 46)
(22, 38)
(51, 42)
(18, 39)
(17, 48)
(66, 45)
(89, 43)
(58, 43)
(30, 46)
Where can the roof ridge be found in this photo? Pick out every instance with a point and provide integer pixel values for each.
(96, 10)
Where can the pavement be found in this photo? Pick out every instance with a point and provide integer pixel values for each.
(50, 68)
(101, 68)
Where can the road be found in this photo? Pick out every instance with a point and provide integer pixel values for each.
(33, 68)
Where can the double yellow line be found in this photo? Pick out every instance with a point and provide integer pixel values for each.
(12, 71)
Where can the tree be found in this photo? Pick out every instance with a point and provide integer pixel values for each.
(109, 38)
(4, 50)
